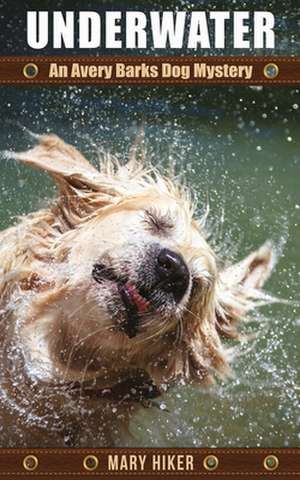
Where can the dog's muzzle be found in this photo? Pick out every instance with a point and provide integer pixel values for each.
(167, 277)
(173, 274)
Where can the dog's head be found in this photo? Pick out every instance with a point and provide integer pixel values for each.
(133, 283)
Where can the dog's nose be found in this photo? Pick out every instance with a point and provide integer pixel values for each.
(173, 273)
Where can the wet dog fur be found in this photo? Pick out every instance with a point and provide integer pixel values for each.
(77, 356)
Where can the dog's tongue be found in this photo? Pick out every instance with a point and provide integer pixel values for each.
(141, 304)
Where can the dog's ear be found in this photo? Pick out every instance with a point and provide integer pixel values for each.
(83, 189)
(62, 161)
(239, 289)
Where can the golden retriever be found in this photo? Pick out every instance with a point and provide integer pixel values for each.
(107, 298)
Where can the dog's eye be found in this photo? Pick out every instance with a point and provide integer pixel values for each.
(158, 222)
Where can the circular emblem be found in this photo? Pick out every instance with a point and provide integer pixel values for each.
(271, 70)
(210, 462)
(30, 463)
(30, 70)
(90, 463)
(271, 463)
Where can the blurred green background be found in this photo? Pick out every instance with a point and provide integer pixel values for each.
(237, 147)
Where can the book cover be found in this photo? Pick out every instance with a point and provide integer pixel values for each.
(149, 237)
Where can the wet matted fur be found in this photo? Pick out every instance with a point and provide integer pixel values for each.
(74, 362)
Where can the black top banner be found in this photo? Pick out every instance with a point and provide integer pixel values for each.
(202, 34)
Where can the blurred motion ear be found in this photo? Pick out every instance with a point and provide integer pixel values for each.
(252, 271)
(239, 289)
(82, 188)
(62, 161)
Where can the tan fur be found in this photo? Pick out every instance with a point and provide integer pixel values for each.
(50, 307)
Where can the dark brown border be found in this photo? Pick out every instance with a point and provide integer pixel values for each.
(12, 68)
(233, 463)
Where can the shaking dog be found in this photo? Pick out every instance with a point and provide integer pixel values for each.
(109, 297)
